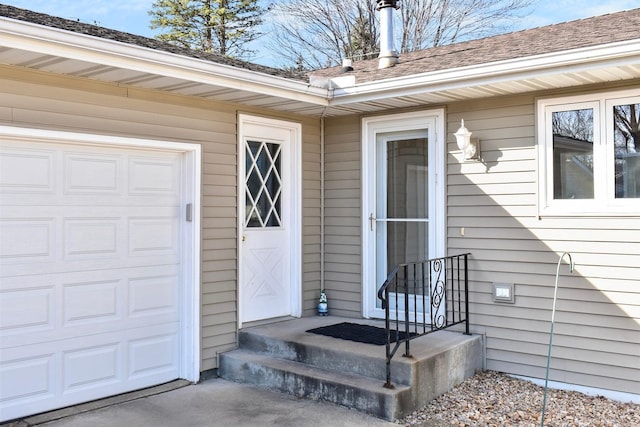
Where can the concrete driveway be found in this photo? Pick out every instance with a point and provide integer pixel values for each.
(214, 402)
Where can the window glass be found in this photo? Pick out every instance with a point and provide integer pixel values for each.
(407, 161)
(573, 154)
(406, 243)
(263, 185)
(626, 135)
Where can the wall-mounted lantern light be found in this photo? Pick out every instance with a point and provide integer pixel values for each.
(470, 146)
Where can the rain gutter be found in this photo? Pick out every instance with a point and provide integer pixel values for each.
(617, 54)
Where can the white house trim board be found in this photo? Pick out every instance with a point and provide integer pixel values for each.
(433, 121)
(258, 246)
(190, 231)
(620, 54)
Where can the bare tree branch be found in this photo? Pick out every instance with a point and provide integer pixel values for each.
(316, 34)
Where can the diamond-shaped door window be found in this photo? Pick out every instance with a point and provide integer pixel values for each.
(263, 184)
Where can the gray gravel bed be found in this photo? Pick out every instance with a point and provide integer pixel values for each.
(496, 399)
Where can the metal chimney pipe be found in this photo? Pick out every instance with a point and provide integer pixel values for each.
(388, 56)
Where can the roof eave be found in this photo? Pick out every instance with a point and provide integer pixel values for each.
(69, 45)
(518, 69)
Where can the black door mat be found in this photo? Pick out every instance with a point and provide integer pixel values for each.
(366, 334)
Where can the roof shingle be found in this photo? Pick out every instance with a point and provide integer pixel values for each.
(615, 27)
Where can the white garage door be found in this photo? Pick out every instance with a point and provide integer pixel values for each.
(91, 272)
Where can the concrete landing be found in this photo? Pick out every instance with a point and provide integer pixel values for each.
(284, 357)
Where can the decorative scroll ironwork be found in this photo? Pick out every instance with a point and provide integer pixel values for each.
(423, 297)
(437, 292)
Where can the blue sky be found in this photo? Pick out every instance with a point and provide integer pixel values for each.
(131, 15)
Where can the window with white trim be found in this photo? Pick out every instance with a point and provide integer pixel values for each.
(589, 154)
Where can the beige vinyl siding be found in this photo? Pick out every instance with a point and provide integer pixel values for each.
(43, 100)
(219, 259)
(597, 331)
(310, 215)
(343, 255)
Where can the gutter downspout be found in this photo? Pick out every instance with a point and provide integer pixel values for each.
(322, 198)
(322, 202)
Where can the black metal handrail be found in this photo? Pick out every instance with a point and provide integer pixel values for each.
(429, 295)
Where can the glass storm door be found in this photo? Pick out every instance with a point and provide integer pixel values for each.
(402, 203)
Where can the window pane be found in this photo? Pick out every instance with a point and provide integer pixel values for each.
(406, 242)
(573, 154)
(263, 185)
(407, 187)
(626, 134)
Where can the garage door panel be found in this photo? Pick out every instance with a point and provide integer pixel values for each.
(90, 260)
(152, 176)
(92, 367)
(14, 161)
(87, 176)
(79, 277)
(50, 241)
(153, 236)
(103, 243)
(92, 302)
(61, 211)
(54, 338)
(142, 261)
(77, 305)
(91, 233)
(27, 310)
(104, 201)
(35, 379)
(153, 296)
(27, 239)
(92, 174)
(151, 356)
(26, 379)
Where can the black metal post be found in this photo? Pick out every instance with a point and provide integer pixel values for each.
(387, 325)
(407, 350)
(466, 295)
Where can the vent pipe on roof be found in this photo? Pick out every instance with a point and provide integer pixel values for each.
(388, 56)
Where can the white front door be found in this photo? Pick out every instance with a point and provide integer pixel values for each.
(93, 277)
(403, 200)
(269, 217)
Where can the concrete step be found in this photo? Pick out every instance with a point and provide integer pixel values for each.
(283, 356)
(347, 389)
(327, 353)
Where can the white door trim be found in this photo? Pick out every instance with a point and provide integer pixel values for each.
(295, 222)
(190, 250)
(396, 123)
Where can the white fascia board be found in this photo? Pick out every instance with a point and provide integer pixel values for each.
(615, 54)
(65, 44)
